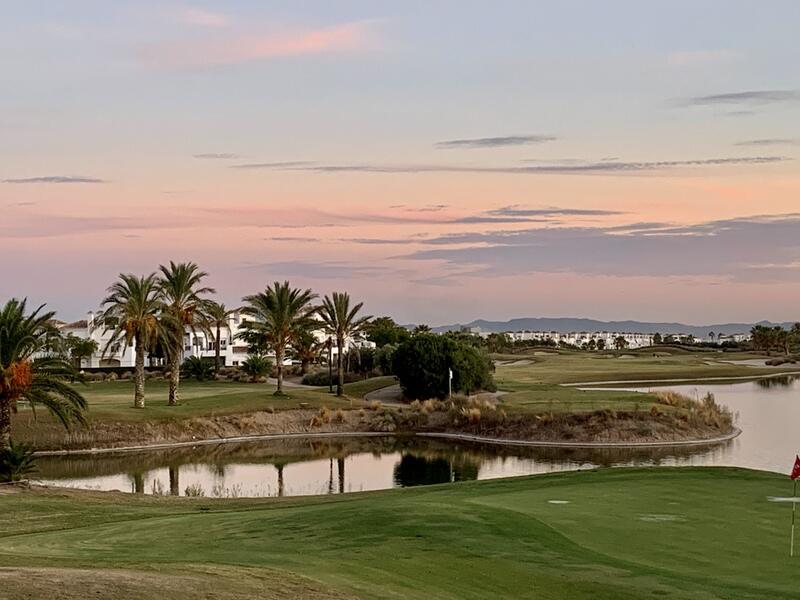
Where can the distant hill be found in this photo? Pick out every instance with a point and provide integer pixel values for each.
(568, 325)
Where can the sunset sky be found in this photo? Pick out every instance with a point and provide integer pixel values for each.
(440, 160)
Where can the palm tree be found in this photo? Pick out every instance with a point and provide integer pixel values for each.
(277, 314)
(343, 322)
(134, 312)
(44, 380)
(217, 315)
(180, 287)
(306, 348)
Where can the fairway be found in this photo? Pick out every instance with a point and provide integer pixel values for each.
(617, 533)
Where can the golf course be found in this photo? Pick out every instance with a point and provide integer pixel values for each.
(610, 534)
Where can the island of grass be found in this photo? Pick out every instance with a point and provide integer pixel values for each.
(537, 399)
(611, 534)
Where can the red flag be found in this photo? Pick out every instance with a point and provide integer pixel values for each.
(796, 470)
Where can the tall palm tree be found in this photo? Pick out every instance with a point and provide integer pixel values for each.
(182, 292)
(28, 374)
(277, 314)
(217, 316)
(134, 312)
(343, 322)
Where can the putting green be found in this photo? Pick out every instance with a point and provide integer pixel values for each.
(618, 533)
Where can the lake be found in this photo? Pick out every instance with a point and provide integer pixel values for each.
(768, 412)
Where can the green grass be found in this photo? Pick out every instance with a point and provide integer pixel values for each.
(580, 367)
(536, 386)
(624, 534)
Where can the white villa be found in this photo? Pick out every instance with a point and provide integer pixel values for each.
(195, 343)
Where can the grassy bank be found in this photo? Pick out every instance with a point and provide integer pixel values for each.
(210, 409)
(613, 534)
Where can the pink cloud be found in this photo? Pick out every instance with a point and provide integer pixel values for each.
(202, 18)
(245, 47)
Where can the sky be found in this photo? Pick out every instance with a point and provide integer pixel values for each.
(441, 160)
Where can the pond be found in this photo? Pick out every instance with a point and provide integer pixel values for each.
(768, 412)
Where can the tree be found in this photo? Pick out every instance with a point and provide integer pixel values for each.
(712, 336)
(422, 365)
(217, 316)
(497, 342)
(421, 328)
(180, 285)
(384, 356)
(383, 330)
(256, 365)
(26, 374)
(79, 348)
(620, 343)
(134, 312)
(342, 322)
(657, 339)
(277, 314)
(601, 344)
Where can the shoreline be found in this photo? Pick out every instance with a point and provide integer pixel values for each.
(464, 437)
(684, 380)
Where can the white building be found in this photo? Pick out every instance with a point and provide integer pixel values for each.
(233, 351)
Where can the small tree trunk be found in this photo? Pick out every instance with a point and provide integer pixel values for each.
(138, 395)
(174, 378)
(339, 371)
(5, 423)
(279, 365)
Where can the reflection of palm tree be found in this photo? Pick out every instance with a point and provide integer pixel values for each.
(280, 466)
(340, 468)
(330, 477)
(138, 483)
(174, 481)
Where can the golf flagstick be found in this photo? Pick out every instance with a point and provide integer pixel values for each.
(795, 475)
(794, 510)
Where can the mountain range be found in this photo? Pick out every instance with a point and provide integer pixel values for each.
(569, 325)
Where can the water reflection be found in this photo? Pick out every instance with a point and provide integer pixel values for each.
(333, 466)
(780, 381)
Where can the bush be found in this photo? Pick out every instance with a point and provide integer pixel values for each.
(16, 462)
(256, 366)
(422, 363)
(320, 378)
(197, 368)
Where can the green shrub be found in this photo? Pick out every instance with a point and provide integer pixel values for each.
(197, 368)
(422, 364)
(320, 378)
(256, 366)
(16, 462)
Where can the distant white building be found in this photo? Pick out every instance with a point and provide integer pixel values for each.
(232, 350)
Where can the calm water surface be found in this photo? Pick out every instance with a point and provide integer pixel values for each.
(768, 412)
